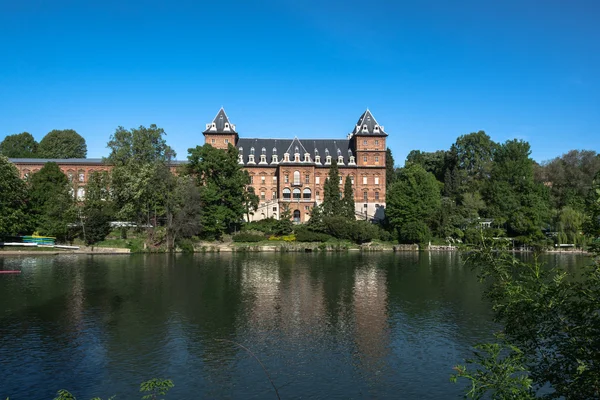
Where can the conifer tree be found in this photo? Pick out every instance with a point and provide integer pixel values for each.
(332, 204)
(348, 200)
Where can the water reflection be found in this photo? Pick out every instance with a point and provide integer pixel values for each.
(325, 325)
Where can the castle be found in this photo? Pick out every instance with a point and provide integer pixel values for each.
(282, 171)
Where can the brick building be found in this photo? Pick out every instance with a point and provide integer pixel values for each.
(293, 171)
(282, 171)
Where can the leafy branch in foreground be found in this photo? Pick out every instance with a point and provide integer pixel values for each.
(551, 321)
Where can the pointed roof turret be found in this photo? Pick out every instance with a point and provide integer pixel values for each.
(221, 124)
(367, 125)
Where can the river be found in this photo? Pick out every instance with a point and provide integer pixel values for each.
(325, 326)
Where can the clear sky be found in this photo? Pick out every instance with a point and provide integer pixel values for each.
(428, 70)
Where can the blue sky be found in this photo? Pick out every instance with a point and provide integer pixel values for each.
(428, 70)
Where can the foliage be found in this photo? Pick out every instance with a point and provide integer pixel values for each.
(267, 225)
(140, 159)
(592, 206)
(14, 216)
(343, 228)
(251, 201)
(284, 225)
(21, 145)
(97, 208)
(390, 173)
(412, 202)
(550, 316)
(433, 162)
(500, 373)
(305, 234)
(332, 204)
(222, 183)
(185, 208)
(64, 143)
(156, 387)
(512, 194)
(249, 236)
(52, 201)
(348, 206)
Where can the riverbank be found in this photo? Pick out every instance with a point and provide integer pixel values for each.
(53, 251)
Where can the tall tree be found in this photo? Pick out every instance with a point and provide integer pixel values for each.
(412, 203)
(390, 172)
(223, 188)
(14, 216)
(97, 208)
(512, 195)
(474, 154)
(433, 162)
(348, 206)
(21, 145)
(251, 201)
(64, 143)
(141, 160)
(592, 224)
(332, 205)
(53, 203)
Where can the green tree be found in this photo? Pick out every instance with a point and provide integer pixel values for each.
(97, 208)
(64, 143)
(53, 203)
(412, 203)
(222, 183)
(284, 225)
(140, 176)
(348, 206)
(186, 209)
(474, 154)
(21, 145)
(14, 216)
(332, 205)
(390, 172)
(549, 317)
(592, 224)
(512, 195)
(433, 162)
(251, 201)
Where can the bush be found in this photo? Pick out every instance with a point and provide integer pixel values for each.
(186, 245)
(304, 234)
(268, 226)
(415, 232)
(249, 236)
(363, 232)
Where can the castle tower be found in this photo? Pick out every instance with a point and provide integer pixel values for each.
(368, 141)
(220, 132)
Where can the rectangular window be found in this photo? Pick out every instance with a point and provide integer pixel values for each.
(376, 143)
(274, 179)
(365, 159)
(376, 195)
(364, 180)
(286, 178)
(318, 180)
(365, 196)
(213, 141)
(307, 208)
(251, 179)
(262, 180)
(341, 180)
(364, 142)
(273, 195)
(376, 159)
(274, 209)
(262, 195)
(352, 179)
(307, 178)
(377, 180)
(226, 141)
(317, 195)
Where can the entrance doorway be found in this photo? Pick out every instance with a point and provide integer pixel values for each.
(297, 216)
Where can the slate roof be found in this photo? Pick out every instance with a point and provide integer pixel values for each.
(281, 146)
(368, 126)
(220, 124)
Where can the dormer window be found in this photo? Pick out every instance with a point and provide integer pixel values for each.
(318, 159)
(252, 150)
(376, 128)
(263, 159)
(241, 150)
(274, 159)
(296, 157)
(286, 157)
(226, 126)
(327, 160)
(340, 160)
(251, 159)
(240, 159)
(351, 160)
(263, 151)
(365, 128)
(306, 157)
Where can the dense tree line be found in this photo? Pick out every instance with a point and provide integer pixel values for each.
(479, 184)
(64, 143)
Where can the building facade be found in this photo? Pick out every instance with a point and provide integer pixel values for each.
(292, 172)
(283, 172)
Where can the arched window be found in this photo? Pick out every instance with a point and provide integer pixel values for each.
(287, 194)
(80, 193)
(306, 194)
(81, 176)
(264, 151)
(296, 216)
(296, 177)
(296, 194)
(252, 150)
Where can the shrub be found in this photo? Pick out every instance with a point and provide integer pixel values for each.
(304, 234)
(249, 236)
(363, 232)
(415, 232)
(267, 225)
(186, 245)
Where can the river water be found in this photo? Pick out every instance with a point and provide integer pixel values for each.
(325, 326)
